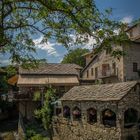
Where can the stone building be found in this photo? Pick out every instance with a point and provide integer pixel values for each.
(61, 77)
(109, 69)
(100, 112)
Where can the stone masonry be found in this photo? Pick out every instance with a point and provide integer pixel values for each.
(69, 129)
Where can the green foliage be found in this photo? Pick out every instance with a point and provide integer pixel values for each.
(33, 134)
(11, 70)
(37, 96)
(46, 112)
(68, 22)
(3, 83)
(76, 56)
(38, 137)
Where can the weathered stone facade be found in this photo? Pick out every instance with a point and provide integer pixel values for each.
(69, 129)
(112, 70)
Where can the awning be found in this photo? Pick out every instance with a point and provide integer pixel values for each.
(33, 80)
(13, 80)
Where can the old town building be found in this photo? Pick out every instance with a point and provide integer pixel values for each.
(104, 67)
(61, 77)
(100, 112)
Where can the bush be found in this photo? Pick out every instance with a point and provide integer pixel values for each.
(38, 137)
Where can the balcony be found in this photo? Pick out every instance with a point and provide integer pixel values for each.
(17, 96)
(107, 74)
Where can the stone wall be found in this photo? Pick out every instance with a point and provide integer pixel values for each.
(124, 65)
(81, 130)
(103, 58)
(132, 56)
(69, 129)
(132, 100)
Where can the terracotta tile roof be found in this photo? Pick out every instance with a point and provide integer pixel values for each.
(53, 69)
(104, 92)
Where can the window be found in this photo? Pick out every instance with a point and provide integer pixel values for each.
(91, 56)
(114, 68)
(105, 69)
(66, 112)
(109, 118)
(96, 72)
(135, 67)
(92, 72)
(91, 115)
(130, 117)
(87, 73)
(76, 114)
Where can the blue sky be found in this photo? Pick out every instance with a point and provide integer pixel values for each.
(124, 10)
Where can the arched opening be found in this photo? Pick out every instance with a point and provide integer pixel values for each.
(66, 112)
(91, 115)
(76, 114)
(109, 118)
(130, 117)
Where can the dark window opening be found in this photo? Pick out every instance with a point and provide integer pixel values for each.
(109, 118)
(135, 67)
(66, 112)
(139, 124)
(130, 117)
(130, 137)
(76, 114)
(87, 73)
(91, 115)
(96, 72)
(105, 69)
(92, 72)
(91, 56)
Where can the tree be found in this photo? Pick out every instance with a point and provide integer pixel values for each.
(76, 56)
(46, 111)
(68, 22)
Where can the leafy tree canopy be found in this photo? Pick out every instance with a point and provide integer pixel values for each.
(76, 56)
(61, 20)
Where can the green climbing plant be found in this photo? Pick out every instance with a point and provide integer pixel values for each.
(46, 111)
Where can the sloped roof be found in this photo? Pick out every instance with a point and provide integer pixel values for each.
(53, 69)
(104, 92)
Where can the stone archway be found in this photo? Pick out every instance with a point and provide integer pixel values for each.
(91, 115)
(66, 112)
(76, 112)
(108, 118)
(130, 117)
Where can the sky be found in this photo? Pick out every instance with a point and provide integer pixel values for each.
(123, 10)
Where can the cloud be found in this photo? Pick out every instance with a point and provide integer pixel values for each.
(91, 41)
(4, 62)
(127, 19)
(47, 46)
